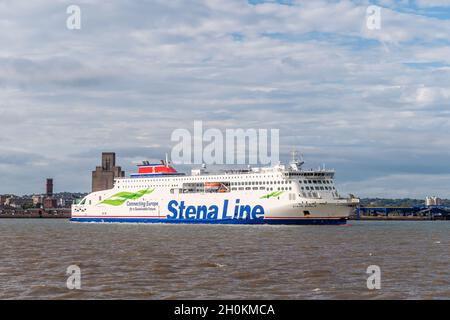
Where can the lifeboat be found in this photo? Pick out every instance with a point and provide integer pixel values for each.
(214, 185)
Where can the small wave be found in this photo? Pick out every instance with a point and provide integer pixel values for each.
(211, 265)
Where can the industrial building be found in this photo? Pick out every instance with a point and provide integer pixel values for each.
(103, 176)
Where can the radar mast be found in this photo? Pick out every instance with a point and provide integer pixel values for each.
(296, 163)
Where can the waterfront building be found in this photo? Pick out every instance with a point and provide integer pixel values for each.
(104, 175)
(37, 199)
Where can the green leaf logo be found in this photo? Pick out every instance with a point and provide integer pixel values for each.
(272, 194)
(119, 198)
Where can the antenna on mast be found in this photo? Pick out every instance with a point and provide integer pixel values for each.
(294, 154)
(167, 159)
(295, 162)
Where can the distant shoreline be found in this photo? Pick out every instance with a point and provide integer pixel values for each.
(56, 213)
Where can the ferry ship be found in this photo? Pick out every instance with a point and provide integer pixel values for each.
(280, 194)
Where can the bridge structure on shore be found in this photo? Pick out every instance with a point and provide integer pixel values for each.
(430, 212)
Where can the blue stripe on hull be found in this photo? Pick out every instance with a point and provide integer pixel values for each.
(308, 221)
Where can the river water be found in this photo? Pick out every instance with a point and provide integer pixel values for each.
(145, 261)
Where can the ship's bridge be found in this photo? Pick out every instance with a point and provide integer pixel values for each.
(322, 173)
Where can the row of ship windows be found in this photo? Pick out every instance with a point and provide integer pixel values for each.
(309, 174)
(247, 183)
(190, 190)
(209, 178)
(261, 188)
(318, 188)
(187, 179)
(308, 188)
(251, 183)
(146, 186)
(316, 181)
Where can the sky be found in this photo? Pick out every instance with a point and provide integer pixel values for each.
(371, 103)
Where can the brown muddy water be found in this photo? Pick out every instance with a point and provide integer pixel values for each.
(145, 261)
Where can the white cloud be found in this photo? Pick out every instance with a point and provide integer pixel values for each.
(431, 95)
